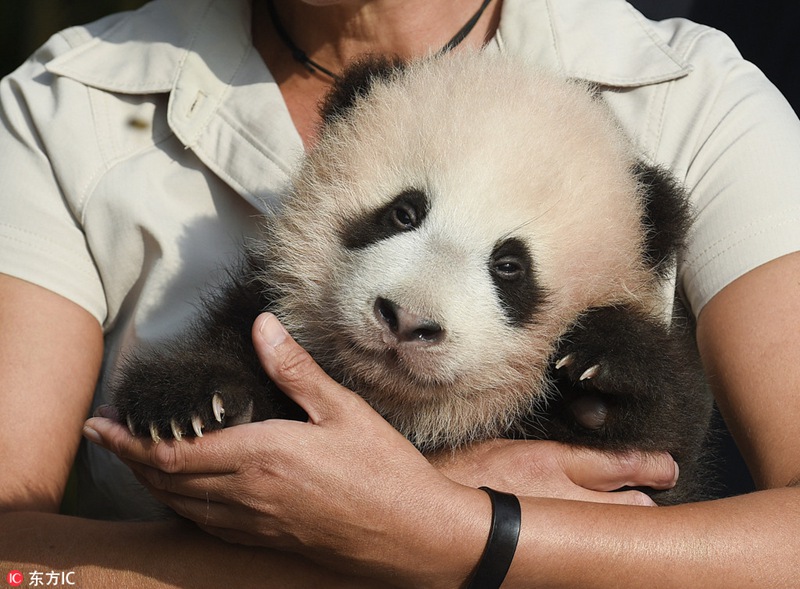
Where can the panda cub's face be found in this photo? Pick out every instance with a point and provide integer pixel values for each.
(446, 230)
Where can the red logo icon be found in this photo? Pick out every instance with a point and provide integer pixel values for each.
(15, 578)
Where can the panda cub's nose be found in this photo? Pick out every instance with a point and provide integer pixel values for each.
(405, 326)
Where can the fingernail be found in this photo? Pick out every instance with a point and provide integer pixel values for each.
(677, 474)
(92, 435)
(271, 329)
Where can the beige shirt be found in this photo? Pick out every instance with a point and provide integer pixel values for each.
(136, 151)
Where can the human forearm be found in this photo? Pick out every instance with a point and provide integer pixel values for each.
(148, 555)
(747, 541)
(49, 360)
(749, 336)
(743, 542)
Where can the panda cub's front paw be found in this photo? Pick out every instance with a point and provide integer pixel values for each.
(605, 360)
(612, 350)
(163, 415)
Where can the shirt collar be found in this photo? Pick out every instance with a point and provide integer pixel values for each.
(223, 102)
(605, 42)
(225, 106)
(154, 49)
(140, 54)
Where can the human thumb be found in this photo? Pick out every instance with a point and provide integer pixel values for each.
(294, 371)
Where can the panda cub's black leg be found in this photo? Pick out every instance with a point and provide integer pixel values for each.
(184, 389)
(208, 377)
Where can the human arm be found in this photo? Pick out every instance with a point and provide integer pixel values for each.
(50, 352)
(150, 555)
(414, 526)
(749, 338)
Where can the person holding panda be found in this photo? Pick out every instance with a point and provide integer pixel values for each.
(386, 514)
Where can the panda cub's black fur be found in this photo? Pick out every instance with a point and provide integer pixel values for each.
(476, 248)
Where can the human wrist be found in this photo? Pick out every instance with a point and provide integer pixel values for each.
(447, 538)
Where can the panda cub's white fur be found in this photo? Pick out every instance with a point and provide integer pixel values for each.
(470, 238)
(500, 151)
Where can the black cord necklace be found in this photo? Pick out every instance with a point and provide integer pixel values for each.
(300, 56)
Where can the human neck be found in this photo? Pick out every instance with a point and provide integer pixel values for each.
(335, 34)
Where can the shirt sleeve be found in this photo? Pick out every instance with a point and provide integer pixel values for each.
(41, 235)
(744, 171)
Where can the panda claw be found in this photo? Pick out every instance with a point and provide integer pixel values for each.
(130, 425)
(197, 426)
(154, 433)
(565, 361)
(590, 372)
(177, 433)
(216, 405)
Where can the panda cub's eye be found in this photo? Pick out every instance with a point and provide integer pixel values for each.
(514, 275)
(404, 216)
(406, 212)
(510, 261)
(508, 268)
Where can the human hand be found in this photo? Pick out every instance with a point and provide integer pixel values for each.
(539, 468)
(344, 488)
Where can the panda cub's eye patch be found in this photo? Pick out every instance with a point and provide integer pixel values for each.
(405, 212)
(514, 278)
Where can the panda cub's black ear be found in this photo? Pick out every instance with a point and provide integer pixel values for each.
(667, 215)
(356, 82)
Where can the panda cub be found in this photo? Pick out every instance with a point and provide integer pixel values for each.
(475, 247)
